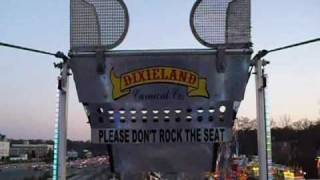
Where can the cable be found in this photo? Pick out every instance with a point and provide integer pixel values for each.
(294, 45)
(25, 48)
(264, 52)
(59, 54)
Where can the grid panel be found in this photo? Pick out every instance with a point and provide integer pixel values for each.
(216, 22)
(106, 20)
(84, 25)
(238, 22)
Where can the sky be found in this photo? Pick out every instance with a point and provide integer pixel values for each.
(28, 80)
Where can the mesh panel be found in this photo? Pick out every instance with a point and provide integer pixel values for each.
(238, 22)
(215, 22)
(96, 23)
(84, 25)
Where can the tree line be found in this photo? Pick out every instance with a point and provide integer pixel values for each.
(295, 144)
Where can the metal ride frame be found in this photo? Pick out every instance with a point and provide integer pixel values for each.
(148, 150)
(214, 58)
(264, 128)
(257, 62)
(264, 131)
(222, 71)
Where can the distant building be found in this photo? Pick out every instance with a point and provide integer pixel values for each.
(32, 150)
(2, 137)
(22, 157)
(87, 153)
(4, 147)
(72, 155)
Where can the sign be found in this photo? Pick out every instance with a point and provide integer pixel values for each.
(121, 85)
(161, 135)
(161, 110)
(191, 78)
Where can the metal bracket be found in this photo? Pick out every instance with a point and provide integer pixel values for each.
(58, 65)
(100, 56)
(265, 62)
(221, 63)
(62, 84)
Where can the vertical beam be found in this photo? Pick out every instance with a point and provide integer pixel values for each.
(268, 128)
(111, 160)
(261, 120)
(60, 139)
(215, 156)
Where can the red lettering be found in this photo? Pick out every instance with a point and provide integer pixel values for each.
(192, 79)
(155, 73)
(182, 76)
(141, 76)
(127, 80)
(148, 74)
(173, 75)
(134, 75)
(163, 75)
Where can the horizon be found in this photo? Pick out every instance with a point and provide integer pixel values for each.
(23, 73)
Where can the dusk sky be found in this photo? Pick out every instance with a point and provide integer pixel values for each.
(28, 80)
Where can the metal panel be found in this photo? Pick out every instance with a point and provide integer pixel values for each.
(156, 98)
(224, 86)
(239, 22)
